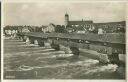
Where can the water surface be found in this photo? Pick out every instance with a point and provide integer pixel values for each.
(23, 61)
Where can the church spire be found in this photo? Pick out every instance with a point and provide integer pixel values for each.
(66, 14)
(66, 19)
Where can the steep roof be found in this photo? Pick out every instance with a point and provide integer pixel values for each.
(79, 22)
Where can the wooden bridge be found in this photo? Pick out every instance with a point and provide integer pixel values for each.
(107, 48)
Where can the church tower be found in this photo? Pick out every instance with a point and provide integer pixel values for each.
(66, 19)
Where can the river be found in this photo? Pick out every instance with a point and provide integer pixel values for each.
(23, 61)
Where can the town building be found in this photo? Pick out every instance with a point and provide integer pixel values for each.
(111, 27)
(88, 26)
(10, 30)
(51, 27)
(44, 29)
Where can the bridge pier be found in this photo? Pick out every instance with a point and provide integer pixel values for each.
(47, 44)
(55, 46)
(103, 58)
(66, 49)
(35, 42)
(40, 42)
(28, 41)
(22, 38)
(75, 51)
(114, 58)
(31, 40)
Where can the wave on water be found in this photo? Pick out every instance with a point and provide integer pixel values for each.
(67, 63)
(30, 45)
(36, 52)
(107, 68)
(7, 38)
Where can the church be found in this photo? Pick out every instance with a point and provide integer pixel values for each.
(81, 25)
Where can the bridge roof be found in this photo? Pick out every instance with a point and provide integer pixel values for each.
(110, 38)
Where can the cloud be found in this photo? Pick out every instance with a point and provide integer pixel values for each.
(45, 13)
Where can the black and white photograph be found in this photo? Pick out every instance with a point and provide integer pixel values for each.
(64, 40)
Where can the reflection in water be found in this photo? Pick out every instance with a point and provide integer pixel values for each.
(23, 61)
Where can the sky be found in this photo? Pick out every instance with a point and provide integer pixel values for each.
(44, 13)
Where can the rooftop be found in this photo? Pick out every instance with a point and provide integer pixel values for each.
(80, 22)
